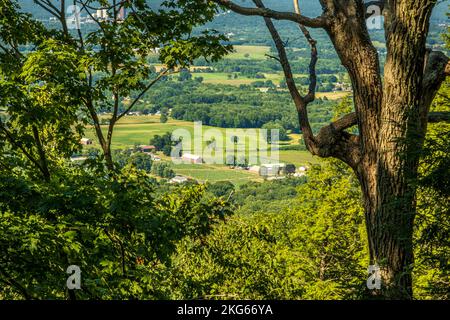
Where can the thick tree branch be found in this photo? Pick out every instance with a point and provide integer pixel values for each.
(346, 122)
(319, 22)
(351, 120)
(437, 68)
(332, 141)
(299, 101)
(311, 96)
(436, 117)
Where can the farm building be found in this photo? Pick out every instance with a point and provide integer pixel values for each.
(155, 158)
(179, 179)
(272, 169)
(147, 149)
(86, 141)
(134, 113)
(192, 158)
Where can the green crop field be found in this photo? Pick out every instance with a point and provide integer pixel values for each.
(246, 52)
(215, 173)
(133, 130)
(299, 158)
(228, 78)
(139, 130)
(333, 95)
(249, 52)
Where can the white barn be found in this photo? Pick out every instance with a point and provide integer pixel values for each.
(188, 157)
(272, 169)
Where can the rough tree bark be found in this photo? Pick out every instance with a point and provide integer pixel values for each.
(391, 115)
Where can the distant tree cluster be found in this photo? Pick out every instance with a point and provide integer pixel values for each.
(163, 143)
(163, 170)
(135, 158)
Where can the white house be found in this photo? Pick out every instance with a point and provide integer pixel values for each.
(179, 179)
(86, 141)
(271, 169)
(188, 157)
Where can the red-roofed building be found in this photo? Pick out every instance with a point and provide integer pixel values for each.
(147, 149)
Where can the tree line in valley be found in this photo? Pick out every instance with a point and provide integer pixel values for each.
(229, 106)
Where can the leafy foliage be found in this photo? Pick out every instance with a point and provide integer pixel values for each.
(113, 228)
(433, 221)
(315, 251)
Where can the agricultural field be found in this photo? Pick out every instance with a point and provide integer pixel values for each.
(249, 52)
(245, 52)
(137, 130)
(132, 130)
(229, 78)
(333, 95)
(215, 173)
(299, 158)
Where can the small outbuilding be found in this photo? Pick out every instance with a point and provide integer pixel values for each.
(86, 141)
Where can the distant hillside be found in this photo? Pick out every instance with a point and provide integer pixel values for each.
(310, 8)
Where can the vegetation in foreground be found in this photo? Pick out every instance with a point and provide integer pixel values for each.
(140, 238)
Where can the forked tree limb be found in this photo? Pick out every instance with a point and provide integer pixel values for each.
(311, 96)
(320, 143)
(299, 101)
(332, 140)
(437, 68)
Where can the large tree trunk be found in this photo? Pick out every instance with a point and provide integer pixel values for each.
(390, 214)
(391, 209)
(392, 121)
(391, 116)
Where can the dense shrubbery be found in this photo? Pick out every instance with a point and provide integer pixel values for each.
(304, 242)
(112, 226)
(295, 240)
(163, 170)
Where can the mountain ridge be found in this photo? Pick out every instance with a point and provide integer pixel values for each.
(309, 8)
